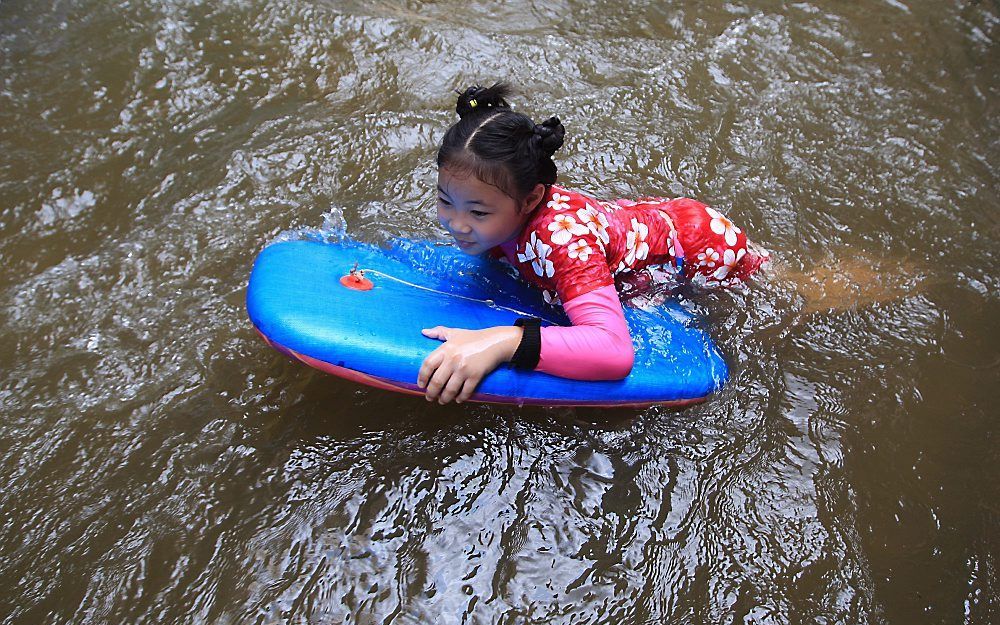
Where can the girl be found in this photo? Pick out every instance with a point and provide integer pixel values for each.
(497, 195)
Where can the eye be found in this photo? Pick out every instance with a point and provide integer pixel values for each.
(444, 201)
(479, 213)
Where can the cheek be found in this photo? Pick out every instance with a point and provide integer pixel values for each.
(517, 222)
(504, 229)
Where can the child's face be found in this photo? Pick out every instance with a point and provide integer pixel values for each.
(479, 215)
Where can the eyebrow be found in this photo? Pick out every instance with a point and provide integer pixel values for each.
(469, 202)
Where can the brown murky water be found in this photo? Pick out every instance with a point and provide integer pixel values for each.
(159, 464)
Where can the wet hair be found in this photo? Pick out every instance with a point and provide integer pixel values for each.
(499, 146)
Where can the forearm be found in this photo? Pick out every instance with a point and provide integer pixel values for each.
(598, 345)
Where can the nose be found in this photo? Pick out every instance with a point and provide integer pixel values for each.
(456, 224)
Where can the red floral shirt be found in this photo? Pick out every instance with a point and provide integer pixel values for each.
(574, 244)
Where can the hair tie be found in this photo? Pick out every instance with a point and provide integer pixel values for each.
(473, 103)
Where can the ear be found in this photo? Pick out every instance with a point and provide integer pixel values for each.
(533, 198)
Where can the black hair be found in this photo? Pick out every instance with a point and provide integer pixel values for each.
(499, 146)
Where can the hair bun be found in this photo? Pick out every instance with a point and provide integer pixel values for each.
(476, 99)
(549, 135)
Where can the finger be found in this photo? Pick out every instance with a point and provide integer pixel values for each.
(437, 332)
(452, 389)
(438, 381)
(428, 367)
(467, 390)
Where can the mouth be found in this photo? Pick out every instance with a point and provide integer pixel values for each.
(464, 244)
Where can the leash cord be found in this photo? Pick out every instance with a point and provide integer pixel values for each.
(488, 302)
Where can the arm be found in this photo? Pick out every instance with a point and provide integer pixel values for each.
(596, 347)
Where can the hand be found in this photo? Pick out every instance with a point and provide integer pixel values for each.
(454, 370)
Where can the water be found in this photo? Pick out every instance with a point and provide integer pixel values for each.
(161, 465)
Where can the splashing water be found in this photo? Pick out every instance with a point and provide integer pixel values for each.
(160, 464)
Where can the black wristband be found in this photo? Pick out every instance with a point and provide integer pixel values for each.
(529, 350)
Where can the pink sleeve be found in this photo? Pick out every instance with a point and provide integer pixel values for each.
(596, 347)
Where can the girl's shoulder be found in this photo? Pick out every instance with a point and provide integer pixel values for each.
(560, 200)
(558, 205)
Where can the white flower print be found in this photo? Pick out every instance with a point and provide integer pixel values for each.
(596, 222)
(721, 225)
(729, 262)
(580, 249)
(563, 228)
(708, 258)
(537, 252)
(558, 202)
(551, 297)
(635, 242)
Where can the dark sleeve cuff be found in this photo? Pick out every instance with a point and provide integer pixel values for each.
(529, 350)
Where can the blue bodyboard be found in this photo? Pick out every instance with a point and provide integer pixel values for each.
(296, 300)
